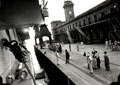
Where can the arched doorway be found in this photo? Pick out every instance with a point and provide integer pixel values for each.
(45, 41)
(44, 32)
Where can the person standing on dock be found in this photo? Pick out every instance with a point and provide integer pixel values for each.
(70, 47)
(107, 62)
(91, 64)
(57, 56)
(67, 56)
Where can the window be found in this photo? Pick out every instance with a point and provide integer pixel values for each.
(79, 23)
(56, 24)
(95, 18)
(84, 22)
(89, 21)
(103, 15)
(99, 16)
(73, 26)
(112, 10)
(64, 29)
(76, 24)
(70, 27)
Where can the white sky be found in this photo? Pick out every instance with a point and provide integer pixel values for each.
(56, 10)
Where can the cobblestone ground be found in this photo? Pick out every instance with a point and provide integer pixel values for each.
(80, 61)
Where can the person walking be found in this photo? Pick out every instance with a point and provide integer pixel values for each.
(77, 47)
(94, 61)
(98, 59)
(57, 56)
(116, 44)
(84, 54)
(60, 48)
(87, 55)
(90, 64)
(82, 45)
(110, 44)
(67, 56)
(70, 47)
(107, 62)
(106, 43)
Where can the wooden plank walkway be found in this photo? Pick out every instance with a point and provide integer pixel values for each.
(74, 74)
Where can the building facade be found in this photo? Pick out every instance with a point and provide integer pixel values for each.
(93, 26)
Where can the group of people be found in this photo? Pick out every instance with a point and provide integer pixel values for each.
(112, 44)
(67, 56)
(55, 47)
(93, 60)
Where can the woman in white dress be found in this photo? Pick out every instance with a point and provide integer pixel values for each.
(57, 56)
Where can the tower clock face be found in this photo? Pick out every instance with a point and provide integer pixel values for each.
(70, 12)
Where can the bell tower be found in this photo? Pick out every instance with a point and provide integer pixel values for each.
(69, 10)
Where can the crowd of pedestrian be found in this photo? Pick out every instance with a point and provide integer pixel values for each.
(55, 47)
(93, 57)
(58, 50)
(113, 45)
(57, 56)
(93, 60)
(67, 57)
